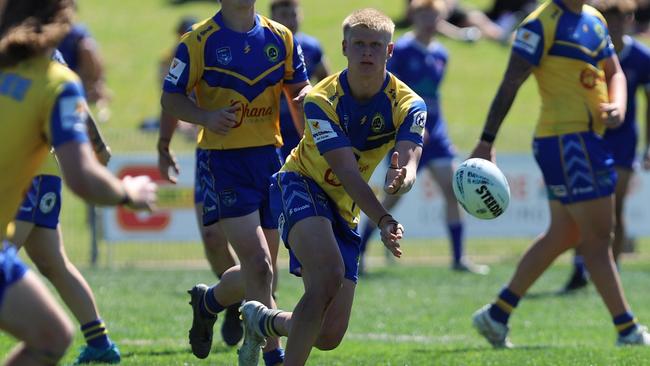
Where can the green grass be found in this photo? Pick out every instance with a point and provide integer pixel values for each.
(410, 314)
(416, 313)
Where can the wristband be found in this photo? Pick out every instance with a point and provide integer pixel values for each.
(383, 217)
(488, 137)
(126, 199)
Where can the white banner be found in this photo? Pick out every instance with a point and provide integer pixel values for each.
(421, 211)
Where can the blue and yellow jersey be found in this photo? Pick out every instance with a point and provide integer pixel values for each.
(41, 105)
(336, 120)
(226, 68)
(568, 50)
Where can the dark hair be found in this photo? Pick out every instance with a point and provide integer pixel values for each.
(29, 27)
(282, 3)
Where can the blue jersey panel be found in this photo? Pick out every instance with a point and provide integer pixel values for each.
(235, 183)
(68, 120)
(69, 46)
(42, 203)
(295, 197)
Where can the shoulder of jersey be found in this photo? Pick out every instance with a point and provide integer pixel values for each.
(200, 31)
(325, 89)
(274, 26)
(59, 73)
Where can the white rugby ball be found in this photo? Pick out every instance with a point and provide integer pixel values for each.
(481, 188)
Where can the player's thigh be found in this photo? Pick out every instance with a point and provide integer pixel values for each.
(443, 171)
(595, 218)
(246, 235)
(315, 246)
(45, 248)
(273, 241)
(622, 185)
(30, 313)
(563, 229)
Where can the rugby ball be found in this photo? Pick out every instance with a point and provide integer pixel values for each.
(481, 188)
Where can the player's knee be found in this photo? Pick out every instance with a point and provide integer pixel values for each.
(329, 339)
(329, 284)
(259, 266)
(51, 341)
(213, 238)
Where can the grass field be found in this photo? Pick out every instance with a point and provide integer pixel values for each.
(416, 313)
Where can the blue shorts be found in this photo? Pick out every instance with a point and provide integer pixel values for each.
(42, 203)
(436, 147)
(198, 189)
(295, 197)
(235, 183)
(576, 167)
(621, 143)
(12, 268)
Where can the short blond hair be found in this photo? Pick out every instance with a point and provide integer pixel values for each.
(614, 6)
(440, 6)
(370, 18)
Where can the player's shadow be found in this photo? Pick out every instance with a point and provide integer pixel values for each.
(483, 349)
(175, 351)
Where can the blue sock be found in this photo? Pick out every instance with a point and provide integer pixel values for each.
(455, 231)
(505, 303)
(210, 307)
(366, 234)
(625, 323)
(272, 358)
(579, 265)
(96, 334)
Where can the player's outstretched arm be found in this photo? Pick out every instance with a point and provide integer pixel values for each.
(88, 179)
(519, 69)
(345, 167)
(401, 173)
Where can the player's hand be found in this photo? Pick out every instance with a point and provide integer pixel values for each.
(103, 155)
(166, 162)
(611, 114)
(484, 150)
(140, 192)
(223, 120)
(646, 158)
(395, 176)
(391, 233)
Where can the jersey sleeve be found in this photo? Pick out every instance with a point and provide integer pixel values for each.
(413, 123)
(529, 42)
(181, 77)
(296, 71)
(324, 129)
(68, 119)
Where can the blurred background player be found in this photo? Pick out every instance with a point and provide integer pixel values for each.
(81, 53)
(354, 117)
(420, 61)
(622, 141)
(566, 45)
(289, 13)
(236, 63)
(44, 102)
(37, 229)
(216, 248)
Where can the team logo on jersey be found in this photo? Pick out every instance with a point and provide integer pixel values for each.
(526, 40)
(224, 56)
(175, 71)
(72, 111)
(247, 48)
(331, 178)
(228, 197)
(48, 201)
(419, 121)
(377, 124)
(599, 30)
(589, 78)
(271, 51)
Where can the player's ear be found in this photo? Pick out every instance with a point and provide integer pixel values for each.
(390, 48)
(344, 47)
